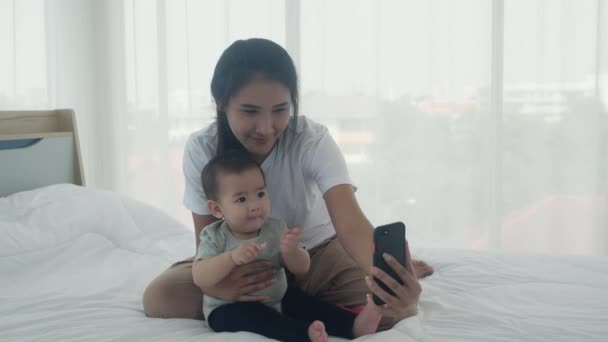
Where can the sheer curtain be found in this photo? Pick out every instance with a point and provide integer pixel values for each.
(480, 124)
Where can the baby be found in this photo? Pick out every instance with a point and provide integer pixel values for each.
(236, 191)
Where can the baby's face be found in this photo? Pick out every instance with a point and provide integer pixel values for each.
(244, 201)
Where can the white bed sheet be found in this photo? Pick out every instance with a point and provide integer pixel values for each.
(75, 262)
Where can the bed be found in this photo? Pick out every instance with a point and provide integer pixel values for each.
(75, 262)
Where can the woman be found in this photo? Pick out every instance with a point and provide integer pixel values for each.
(256, 94)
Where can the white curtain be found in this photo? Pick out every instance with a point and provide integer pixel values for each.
(480, 124)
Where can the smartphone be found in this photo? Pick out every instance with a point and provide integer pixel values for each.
(389, 239)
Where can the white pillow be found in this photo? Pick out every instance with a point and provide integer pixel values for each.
(51, 216)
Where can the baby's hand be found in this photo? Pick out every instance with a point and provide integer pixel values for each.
(290, 239)
(246, 252)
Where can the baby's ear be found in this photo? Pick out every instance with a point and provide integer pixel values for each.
(214, 209)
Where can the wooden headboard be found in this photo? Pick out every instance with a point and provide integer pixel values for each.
(38, 148)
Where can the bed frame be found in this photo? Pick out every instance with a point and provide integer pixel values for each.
(38, 148)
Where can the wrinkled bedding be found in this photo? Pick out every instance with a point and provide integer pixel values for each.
(75, 262)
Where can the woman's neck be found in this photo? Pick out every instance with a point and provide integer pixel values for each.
(261, 159)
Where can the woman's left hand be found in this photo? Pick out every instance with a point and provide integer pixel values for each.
(403, 304)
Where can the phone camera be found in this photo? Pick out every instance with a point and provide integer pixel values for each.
(385, 232)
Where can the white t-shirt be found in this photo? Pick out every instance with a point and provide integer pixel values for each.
(296, 179)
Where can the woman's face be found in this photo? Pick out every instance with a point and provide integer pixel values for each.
(258, 114)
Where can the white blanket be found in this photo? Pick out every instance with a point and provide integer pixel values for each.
(74, 263)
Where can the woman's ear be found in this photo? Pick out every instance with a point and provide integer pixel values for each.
(214, 209)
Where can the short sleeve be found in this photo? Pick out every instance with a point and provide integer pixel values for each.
(195, 160)
(279, 228)
(212, 243)
(324, 163)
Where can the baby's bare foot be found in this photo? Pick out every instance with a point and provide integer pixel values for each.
(316, 332)
(367, 321)
(421, 268)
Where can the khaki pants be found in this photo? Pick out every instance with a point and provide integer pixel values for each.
(334, 277)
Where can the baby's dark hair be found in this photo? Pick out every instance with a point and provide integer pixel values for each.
(231, 162)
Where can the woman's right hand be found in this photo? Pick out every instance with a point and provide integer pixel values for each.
(242, 280)
(404, 302)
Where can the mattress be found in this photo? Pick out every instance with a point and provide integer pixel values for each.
(75, 262)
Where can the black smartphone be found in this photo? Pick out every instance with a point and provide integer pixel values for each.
(389, 239)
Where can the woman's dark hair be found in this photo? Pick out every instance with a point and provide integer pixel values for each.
(233, 162)
(242, 62)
